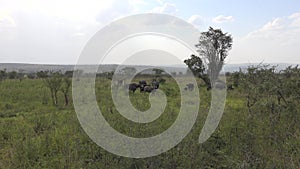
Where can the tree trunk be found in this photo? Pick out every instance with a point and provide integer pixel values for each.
(66, 99)
(55, 98)
(52, 97)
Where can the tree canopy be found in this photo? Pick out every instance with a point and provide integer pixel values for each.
(213, 47)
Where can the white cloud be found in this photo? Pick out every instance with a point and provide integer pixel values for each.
(47, 32)
(196, 20)
(136, 5)
(295, 19)
(55, 31)
(281, 29)
(120, 9)
(75, 10)
(137, 2)
(276, 41)
(269, 30)
(222, 19)
(160, 1)
(167, 8)
(7, 22)
(275, 24)
(294, 15)
(7, 26)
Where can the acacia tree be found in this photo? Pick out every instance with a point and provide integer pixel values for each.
(213, 47)
(195, 64)
(42, 74)
(54, 81)
(271, 98)
(65, 88)
(12, 75)
(3, 74)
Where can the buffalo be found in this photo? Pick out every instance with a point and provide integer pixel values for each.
(219, 84)
(155, 84)
(189, 87)
(142, 83)
(230, 87)
(149, 89)
(133, 86)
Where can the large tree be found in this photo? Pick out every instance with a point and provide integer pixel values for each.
(195, 64)
(3, 74)
(65, 88)
(213, 47)
(54, 81)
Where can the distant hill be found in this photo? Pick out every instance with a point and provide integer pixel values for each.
(30, 68)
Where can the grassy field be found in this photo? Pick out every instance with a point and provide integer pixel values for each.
(36, 134)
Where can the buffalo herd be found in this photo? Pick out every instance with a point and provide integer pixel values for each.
(143, 86)
(151, 87)
(148, 88)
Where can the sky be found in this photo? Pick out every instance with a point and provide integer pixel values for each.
(56, 31)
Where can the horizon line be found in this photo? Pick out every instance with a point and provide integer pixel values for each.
(66, 64)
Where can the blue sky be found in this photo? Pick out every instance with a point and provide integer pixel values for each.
(248, 14)
(34, 31)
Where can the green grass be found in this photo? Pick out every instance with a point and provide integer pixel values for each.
(36, 134)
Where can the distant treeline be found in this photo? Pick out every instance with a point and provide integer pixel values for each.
(4, 74)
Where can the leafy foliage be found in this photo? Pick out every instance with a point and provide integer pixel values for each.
(213, 46)
(195, 64)
(213, 49)
(260, 127)
(54, 81)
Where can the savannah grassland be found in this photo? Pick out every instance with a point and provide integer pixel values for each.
(260, 127)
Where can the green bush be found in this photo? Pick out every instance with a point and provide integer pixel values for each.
(259, 128)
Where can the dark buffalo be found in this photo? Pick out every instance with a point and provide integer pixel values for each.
(142, 83)
(148, 89)
(189, 87)
(133, 86)
(217, 85)
(208, 87)
(230, 87)
(142, 88)
(155, 84)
